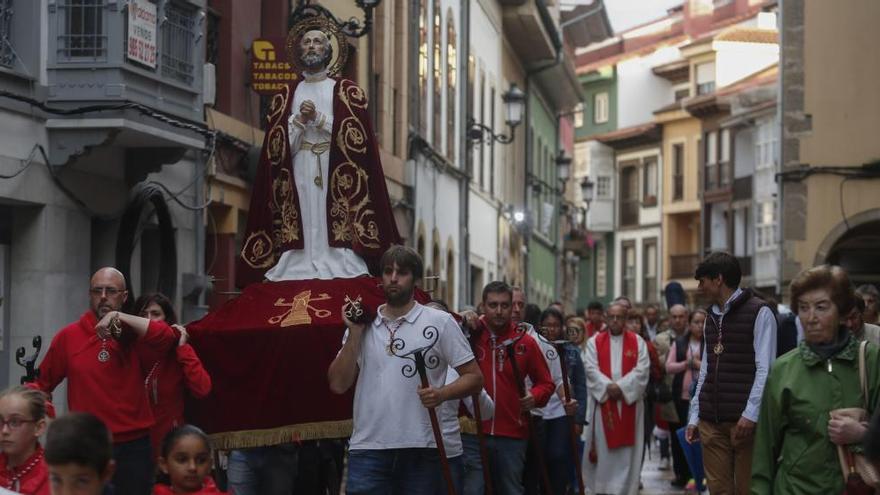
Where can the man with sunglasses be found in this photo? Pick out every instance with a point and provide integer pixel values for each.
(100, 355)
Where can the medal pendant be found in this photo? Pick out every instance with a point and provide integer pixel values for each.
(388, 350)
(103, 356)
(318, 181)
(718, 349)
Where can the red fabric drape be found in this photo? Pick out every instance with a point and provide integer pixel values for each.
(268, 351)
(618, 417)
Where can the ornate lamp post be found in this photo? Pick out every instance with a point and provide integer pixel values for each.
(351, 27)
(514, 105)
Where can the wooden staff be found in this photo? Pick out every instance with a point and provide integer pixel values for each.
(484, 450)
(567, 393)
(510, 345)
(435, 425)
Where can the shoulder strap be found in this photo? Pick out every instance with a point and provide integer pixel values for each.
(863, 378)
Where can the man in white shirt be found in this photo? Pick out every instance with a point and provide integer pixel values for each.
(392, 447)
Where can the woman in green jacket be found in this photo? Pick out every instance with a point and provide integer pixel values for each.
(795, 449)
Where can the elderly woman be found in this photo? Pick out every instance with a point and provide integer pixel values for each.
(796, 441)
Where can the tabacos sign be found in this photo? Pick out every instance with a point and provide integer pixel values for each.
(270, 70)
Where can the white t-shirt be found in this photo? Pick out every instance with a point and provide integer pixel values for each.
(447, 414)
(554, 408)
(387, 411)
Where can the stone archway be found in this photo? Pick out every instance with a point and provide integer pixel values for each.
(854, 248)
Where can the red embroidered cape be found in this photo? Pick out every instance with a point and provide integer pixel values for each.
(618, 421)
(359, 215)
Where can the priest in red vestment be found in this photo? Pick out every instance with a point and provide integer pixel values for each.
(320, 207)
(617, 366)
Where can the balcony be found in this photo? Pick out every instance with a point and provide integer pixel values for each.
(683, 265)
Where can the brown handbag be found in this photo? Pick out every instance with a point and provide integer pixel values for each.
(858, 473)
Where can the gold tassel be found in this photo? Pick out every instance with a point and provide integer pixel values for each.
(244, 439)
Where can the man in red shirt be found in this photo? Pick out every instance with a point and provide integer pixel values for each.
(508, 430)
(104, 374)
(595, 317)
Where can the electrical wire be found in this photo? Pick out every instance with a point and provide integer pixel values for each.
(842, 209)
(25, 164)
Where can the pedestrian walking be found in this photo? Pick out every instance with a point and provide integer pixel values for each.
(617, 366)
(101, 357)
(818, 398)
(391, 450)
(740, 345)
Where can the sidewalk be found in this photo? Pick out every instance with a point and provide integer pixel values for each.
(654, 481)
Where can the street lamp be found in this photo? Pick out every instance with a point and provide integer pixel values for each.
(587, 191)
(514, 105)
(563, 167)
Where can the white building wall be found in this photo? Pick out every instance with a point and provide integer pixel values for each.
(599, 162)
(639, 90)
(734, 60)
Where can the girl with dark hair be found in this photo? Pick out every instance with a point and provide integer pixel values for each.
(167, 379)
(185, 463)
(557, 442)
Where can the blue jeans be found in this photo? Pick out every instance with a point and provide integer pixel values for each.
(262, 470)
(134, 467)
(392, 471)
(473, 466)
(456, 470)
(507, 458)
(693, 452)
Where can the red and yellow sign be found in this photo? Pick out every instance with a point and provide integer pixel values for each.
(270, 70)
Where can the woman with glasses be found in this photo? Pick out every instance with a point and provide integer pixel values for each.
(813, 408)
(167, 380)
(22, 421)
(557, 426)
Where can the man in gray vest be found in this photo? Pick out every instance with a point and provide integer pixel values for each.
(740, 346)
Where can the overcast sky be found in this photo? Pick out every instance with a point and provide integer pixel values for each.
(625, 14)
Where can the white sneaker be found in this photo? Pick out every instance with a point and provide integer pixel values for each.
(664, 464)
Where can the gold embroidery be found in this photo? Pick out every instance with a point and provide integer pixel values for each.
(287, 226)
(298, 310)
(257, 251)
(275, 151)
(351, 212)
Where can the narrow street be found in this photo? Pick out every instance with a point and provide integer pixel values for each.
(655, 481)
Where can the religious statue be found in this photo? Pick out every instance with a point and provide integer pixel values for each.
(320, 207)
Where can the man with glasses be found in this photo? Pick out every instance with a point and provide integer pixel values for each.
(100, 355)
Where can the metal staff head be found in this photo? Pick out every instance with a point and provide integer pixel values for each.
(420, 360)
(29, 363)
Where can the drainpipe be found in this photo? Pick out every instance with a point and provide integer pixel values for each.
(464, 264)
(780, 189)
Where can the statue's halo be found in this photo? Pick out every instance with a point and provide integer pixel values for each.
(337, 40)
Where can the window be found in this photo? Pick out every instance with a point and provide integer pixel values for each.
(711, 161)
(423, 66)
(600, 108)
(178, 43)
(649, 181)
(438, 78)
(451, 74)
(649, 270)
(579, 115)
(724, 169)
(705, 78)
(7, 55)
(682, 93)
(766, 145)
(471, 87)
(677, 172)
(629, 193)
(603, 186)
(765, 224)
(482, 149)
(628, 276)
(82, 34)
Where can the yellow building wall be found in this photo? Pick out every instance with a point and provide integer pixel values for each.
(840, 93)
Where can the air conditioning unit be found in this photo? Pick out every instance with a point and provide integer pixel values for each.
(209, 84)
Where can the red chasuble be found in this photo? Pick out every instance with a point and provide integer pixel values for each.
(618, 417)
(359, 215)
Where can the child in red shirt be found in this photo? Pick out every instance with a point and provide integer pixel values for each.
(169, 378)
(185, 463)
(22, 421)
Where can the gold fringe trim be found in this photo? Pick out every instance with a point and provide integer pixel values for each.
(244, 439)
(468, 425)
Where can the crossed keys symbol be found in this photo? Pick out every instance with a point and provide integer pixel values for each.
(298, 309)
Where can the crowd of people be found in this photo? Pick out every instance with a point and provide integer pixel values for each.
(740, 397)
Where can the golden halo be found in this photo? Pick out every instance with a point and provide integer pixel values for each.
(337, 40)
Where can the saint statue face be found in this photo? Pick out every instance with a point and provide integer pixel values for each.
(315, 50)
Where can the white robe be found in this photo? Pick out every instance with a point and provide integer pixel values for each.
(317, 259)
(617, 471)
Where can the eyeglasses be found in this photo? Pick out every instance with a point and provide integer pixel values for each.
(108, 291)
(14, 423)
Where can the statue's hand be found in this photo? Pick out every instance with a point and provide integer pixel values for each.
(307, 111)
